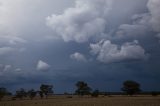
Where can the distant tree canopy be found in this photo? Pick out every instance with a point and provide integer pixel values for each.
(32, 93)
(131, 87)
(155, 93)
(21, 93)
(95, 93)
(82, 88)
(3, 92)
(45, 90)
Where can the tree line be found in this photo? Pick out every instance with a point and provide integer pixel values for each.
(128, 87)
(44, 91)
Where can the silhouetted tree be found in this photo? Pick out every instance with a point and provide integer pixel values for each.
(3, 92)
(95, 93)
(32, 93)
(46, 90)
(82, 88)
(154, 93)
(131, 87)
(21, 93)
(40, 94)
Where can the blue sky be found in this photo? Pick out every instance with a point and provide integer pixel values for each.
(102, 42)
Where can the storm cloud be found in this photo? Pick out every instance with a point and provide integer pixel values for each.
(60, 42)
(87, 19)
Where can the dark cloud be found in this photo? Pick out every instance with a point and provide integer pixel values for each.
(102, 42)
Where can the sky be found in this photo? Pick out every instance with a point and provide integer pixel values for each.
(60, 42)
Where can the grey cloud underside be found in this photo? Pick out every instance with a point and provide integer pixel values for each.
(61, 42)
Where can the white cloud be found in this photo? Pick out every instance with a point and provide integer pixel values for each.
(141, 19)
(11, 44)
(7, 67)
(42, 66)
(10, 71)
(139, 28)
(9, 50)
(108, 52)
(16, 39)
(21, 18)
(6, 50)
(85, 20)
(18, 69)
(11, 40)
(143, 23)
(131, 31)
(154, 8)
(150, 20)
(78, 56)
(11, 15)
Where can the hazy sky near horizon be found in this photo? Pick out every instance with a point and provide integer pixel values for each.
(60, 42)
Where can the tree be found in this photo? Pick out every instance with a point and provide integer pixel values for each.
(95, 93)
(3, 92)
(46, 90)
(154, 93)
(131, 87)
(40, 94)
(21, 93)
(32, 93)
(82, 88)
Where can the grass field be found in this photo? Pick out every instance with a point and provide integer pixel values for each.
(75, 101)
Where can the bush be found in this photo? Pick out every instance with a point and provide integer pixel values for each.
(3, 92)
(155, 93)
(131, 87)
(95, 93)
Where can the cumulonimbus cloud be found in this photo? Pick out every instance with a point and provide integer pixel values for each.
(108, 53)
(85, 20)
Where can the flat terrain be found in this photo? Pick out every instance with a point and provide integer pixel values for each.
(76, 101)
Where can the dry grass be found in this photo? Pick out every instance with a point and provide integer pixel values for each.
(75, 101)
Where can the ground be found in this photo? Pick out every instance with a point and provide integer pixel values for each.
(86, 101)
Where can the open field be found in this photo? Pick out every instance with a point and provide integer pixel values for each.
(75, 101)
